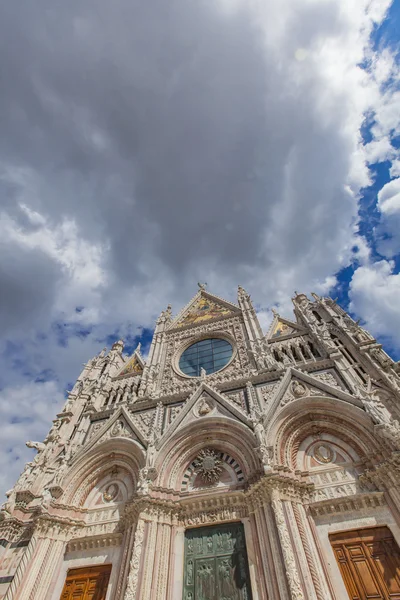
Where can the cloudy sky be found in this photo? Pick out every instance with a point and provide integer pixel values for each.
(145, 146)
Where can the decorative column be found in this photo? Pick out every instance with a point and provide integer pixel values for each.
(282, 581)
(28, 587)
(177, 560)
(296, 592)
(264, 532)
(134, 564)
(317, 574)
(148, 565)
(253, 559)
(49, 569)
(163, 551)
(21, 569)
(127, 545)
(45, 562)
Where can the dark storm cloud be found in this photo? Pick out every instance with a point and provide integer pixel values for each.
(28, 286)
(163, 128)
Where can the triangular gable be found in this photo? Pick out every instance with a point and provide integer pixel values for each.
(203, 307)
(205, 402)
(133, 366)
(282, 328)
(120, 425)
(296, 385)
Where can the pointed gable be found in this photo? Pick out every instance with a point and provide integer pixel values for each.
(280, 328)
(204, 403)
(296, 385)
(120, 425)
(203, 307)
(133, 366)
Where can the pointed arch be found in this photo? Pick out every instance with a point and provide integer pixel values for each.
(90, 468)
(221, 433)
(311, 415)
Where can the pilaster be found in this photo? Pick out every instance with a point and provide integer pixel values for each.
(21, 569)
(292, 574)
(135, 561)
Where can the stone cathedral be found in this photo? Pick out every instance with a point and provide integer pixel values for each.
(229, 465)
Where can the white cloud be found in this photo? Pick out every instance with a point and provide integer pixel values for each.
(24, 414)
(389, 197)
(395, 168)
(374, 294)
(147, 146)
(388, 230)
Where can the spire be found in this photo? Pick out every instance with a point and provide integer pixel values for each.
(253, 327)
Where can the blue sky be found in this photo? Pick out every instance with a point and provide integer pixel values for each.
(145, 147)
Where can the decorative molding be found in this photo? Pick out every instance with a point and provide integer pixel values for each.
(100, 541)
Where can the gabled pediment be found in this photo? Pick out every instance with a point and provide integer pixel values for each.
(120, 425)
(203, 307)
(296, 385)
(204, 404)
(132, 367)
(282, 328)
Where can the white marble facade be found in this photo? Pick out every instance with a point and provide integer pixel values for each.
(297, 437)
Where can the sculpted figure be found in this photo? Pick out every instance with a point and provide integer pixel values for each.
(25, 477)
(151, 453)
(43, 452)
(259, 430)
(46, 498)
(39, 446)
(8, 504)
(374, 405)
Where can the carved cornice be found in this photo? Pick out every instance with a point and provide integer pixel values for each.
(347, 504)
(386, 474)
(99, 541)
(290, 487)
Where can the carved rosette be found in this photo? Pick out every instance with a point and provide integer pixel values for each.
(208, 465)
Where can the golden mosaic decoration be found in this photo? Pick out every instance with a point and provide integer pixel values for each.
(203, 310)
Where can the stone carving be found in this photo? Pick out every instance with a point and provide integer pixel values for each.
(133, 576)
(374, 405)
(286, 545)
(328, 378)
(146, 476)
(204, 407)
(48, 496)
(298, 389)
(119, 429)
(268, 392)
(323, 453)
(236, 398)
(208, 465)
(144, 420)
(111, 492)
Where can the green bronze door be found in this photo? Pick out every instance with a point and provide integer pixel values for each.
(216, 565)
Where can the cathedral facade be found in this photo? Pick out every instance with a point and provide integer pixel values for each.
(228, 465)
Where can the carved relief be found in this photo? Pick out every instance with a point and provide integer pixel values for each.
(208, 465)
(204, 406)
(324, 453)
(111, 492)
(133, 576)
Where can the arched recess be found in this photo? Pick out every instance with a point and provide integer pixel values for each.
(222, 434)
(318, 414)
(99, 466)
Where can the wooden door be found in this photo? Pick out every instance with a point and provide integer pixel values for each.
(369, 560)
(216, 565)
(88, 583)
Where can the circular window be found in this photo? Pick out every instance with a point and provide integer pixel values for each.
(211, 355)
